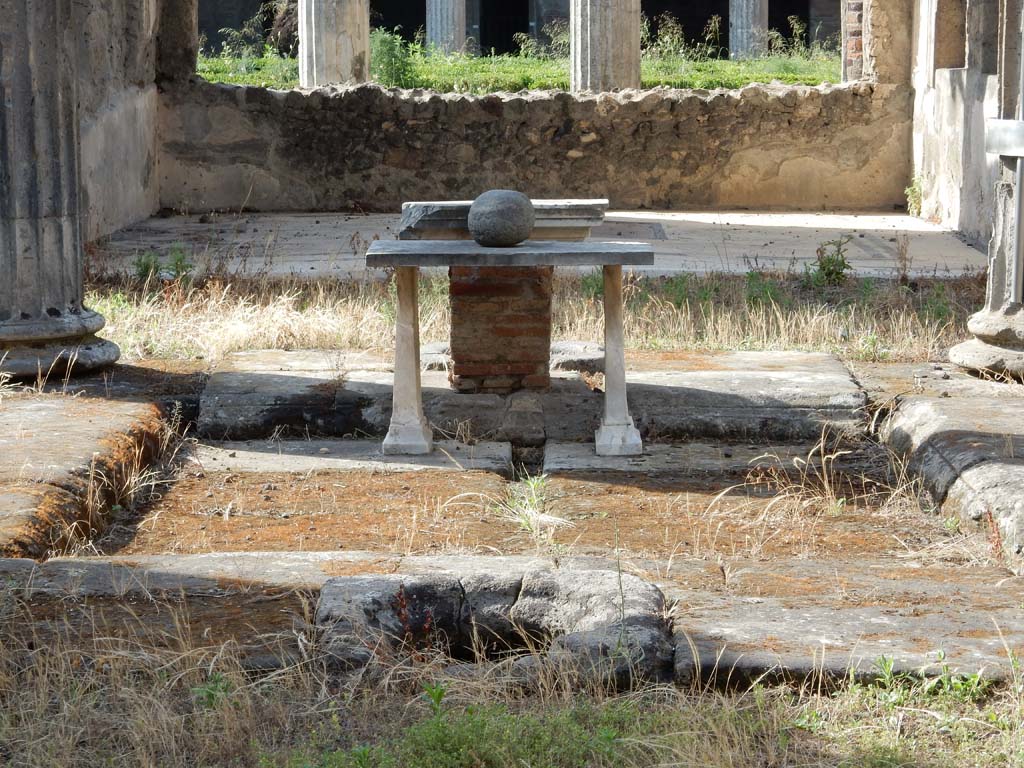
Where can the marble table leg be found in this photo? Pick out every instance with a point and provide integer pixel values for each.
(617, 435)
(409, 432)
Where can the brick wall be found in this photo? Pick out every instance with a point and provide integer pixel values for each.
(853, 39)
(501, 328)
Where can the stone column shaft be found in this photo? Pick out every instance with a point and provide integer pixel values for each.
(43, 322)
(748, 27)
(998, 343)
(446, 24)
(334, 42)
(605, 43)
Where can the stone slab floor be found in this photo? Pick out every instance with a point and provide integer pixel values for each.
(333, 244)
(776, 552)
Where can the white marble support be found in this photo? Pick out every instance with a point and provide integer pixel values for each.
(446, 25)
(604, 38)
(748, 27)
(617, 436)
(334, 42)
(409, 433)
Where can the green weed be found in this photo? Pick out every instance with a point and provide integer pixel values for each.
(914, 195)
(936, 303)
(390, 59)
(592, 285)
(179, 266)
(761, 289)
(677, 289)
(215, 690)
(831, 266)
(435, 693)
(146, 266)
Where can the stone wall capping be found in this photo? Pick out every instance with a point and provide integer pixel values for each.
(649, 98)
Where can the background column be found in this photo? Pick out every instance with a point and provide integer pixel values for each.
(605, 42)
(748, 27)
(446, 24)
(43, 323)
(334, 42)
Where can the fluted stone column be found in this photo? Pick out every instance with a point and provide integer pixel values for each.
(446, 24)
(334, 42)
(748, 27)
(605, 42)
(998, 343)
(43, 323)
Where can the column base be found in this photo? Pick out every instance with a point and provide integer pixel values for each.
(54, 357)
(618, 440)
(1001, 327)
(408, 440)
(978, 355)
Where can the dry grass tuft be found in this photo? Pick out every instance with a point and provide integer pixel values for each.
(862, 319)
(130, 695)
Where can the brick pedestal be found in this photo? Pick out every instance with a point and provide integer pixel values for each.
(501, 328)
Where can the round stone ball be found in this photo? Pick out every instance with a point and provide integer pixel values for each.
(501, 218)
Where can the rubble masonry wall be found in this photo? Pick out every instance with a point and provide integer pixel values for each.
(762, 147)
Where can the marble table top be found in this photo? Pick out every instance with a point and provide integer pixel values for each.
(532, 253)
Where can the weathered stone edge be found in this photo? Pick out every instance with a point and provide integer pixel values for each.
(35, 514)
(979, 489)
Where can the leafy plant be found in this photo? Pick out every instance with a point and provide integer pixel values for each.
(435, 694)
(524, 505)
(669, 39)
(390, 59)
(761, 289)
(215, 690)
(558, 38)
(831, 265)
(677, 288)
(249, 40)
(529, 46)
(969, 689)
(796, 45)
(179, 266)
(866, 290)
(711, 45)
(592, 284)
(936, 304)
(914, 195)
(710, 291)
(146, 266)
(872, 348)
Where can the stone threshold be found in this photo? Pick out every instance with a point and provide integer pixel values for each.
(915, 616)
